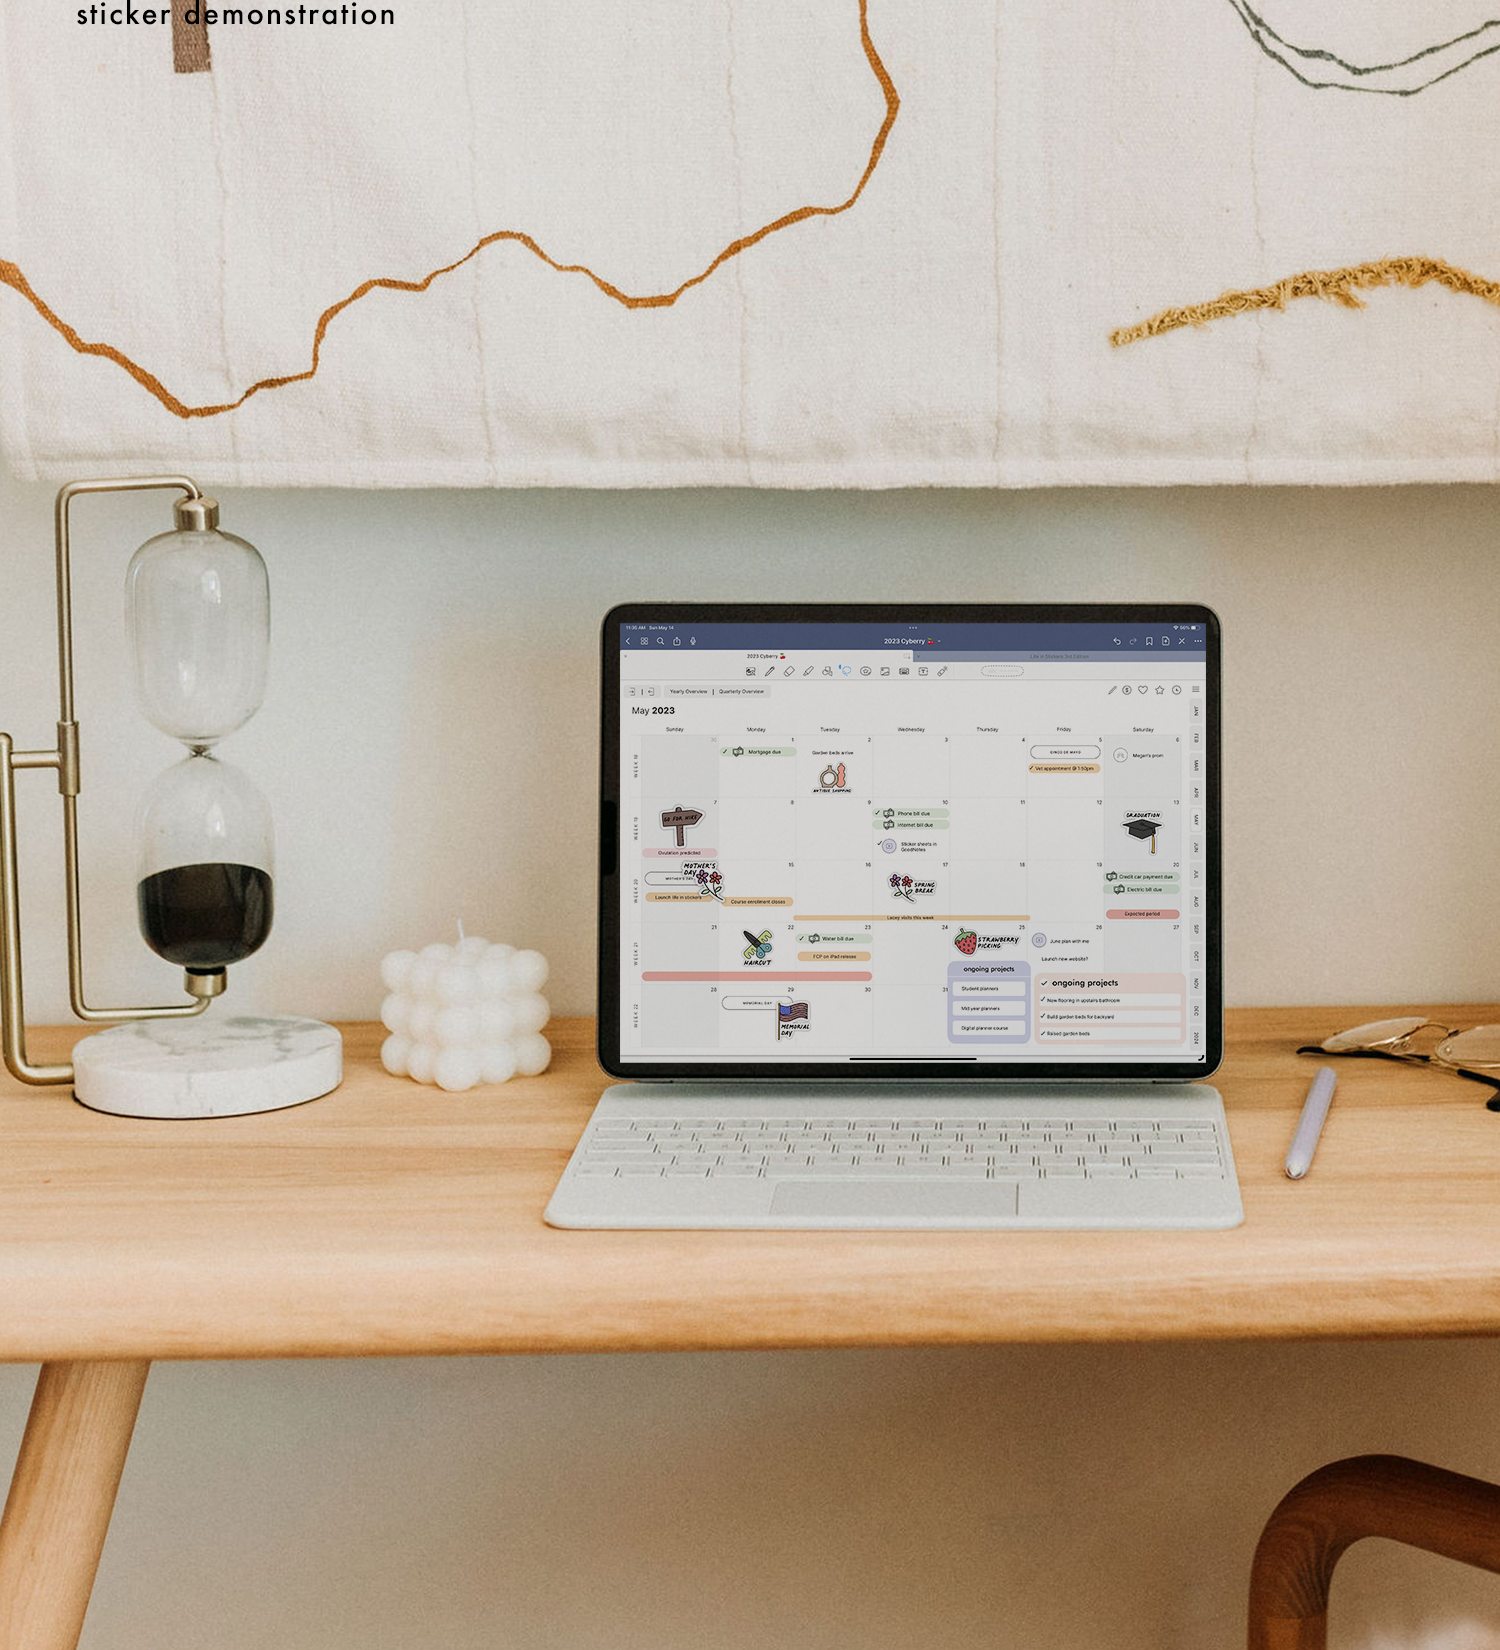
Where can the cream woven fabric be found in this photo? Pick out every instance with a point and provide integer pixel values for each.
(942, 314)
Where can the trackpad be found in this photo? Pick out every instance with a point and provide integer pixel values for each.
(887, 1200)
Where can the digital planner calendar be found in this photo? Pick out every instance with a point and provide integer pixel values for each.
(977, 843)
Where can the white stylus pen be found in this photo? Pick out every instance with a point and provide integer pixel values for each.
(1299, 1154)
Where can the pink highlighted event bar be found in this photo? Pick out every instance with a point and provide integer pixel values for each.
(763, 974)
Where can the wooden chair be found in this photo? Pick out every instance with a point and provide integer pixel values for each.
(1332, 1508)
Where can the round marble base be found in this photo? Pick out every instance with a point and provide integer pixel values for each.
(216, 1066)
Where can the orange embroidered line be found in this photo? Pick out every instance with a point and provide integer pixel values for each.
(1342, 286)
(11, 276)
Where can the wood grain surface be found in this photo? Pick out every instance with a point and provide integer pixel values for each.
(391, 1219)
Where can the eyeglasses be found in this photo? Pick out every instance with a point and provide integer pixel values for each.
(1473, 1053)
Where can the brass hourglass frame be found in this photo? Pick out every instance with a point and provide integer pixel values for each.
(193, 509)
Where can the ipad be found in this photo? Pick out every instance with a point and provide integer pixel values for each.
(910, 842)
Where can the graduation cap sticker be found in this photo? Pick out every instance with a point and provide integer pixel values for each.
(1140, 829)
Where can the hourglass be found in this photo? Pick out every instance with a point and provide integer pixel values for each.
(198, 610)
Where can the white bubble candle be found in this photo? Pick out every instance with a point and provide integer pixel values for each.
(465, 1014)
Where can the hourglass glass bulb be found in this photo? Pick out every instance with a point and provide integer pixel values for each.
(199, 611)
(205, 891)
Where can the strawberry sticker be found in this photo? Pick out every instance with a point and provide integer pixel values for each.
(966, 941)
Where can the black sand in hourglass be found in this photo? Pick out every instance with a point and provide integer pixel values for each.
(205, 917)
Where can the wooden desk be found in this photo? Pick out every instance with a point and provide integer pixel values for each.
(389, 1219)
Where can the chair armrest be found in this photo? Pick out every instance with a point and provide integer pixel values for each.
(1318, 1520)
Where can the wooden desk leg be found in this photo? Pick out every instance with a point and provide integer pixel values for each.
(61, 1495)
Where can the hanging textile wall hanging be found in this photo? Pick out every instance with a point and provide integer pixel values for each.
(787, 243)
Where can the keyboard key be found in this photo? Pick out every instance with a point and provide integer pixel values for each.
(640, 1168)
